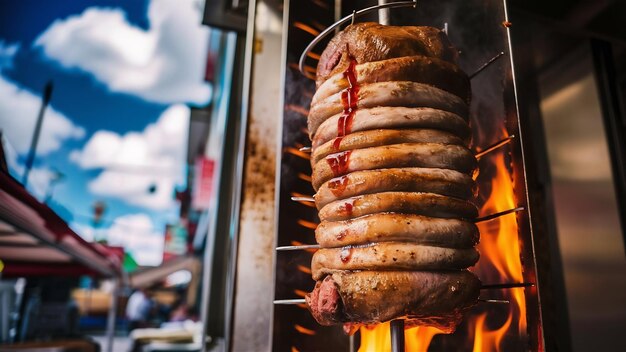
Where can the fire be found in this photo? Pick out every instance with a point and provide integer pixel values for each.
(500, 259)
(500, 263)
(376, 338)
(485, 339)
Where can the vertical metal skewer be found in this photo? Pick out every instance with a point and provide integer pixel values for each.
(397, 325)
(383, 14)
(397, 335)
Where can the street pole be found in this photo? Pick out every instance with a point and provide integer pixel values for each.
(47, 94)
(110, 333)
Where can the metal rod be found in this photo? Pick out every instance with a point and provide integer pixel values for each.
(500, 301)
(32, 151)
(497, 215)
(303, 199)
(356, 14)
(337, 13)
(397, 335)
(306, 149)
(503, 286)
(495, 146)
(399, 322)
(481, 68)
(290, 301)
(297, 248)
(383, 14)
(110, 331)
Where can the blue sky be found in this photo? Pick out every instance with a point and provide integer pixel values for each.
(124, 75)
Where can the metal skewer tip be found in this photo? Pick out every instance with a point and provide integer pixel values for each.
(397, 324)
(303, 199)
(495, 146)
(500, 301)
(305, 149)
(486, 64)
(297, 248)
(497, 215)
(504, 286)
(290, 301)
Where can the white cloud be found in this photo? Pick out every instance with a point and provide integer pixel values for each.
(135, 162)
(88, 233)
(135, 232)
(163, 64)
(18, 113)
(39, 178)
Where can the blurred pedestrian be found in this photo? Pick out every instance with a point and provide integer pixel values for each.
(138, 309)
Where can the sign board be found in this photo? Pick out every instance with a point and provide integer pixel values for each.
(202, 183)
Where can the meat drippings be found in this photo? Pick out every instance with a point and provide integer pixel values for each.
(339, 162)
(348, 207)
(338, 185)
(349, 100)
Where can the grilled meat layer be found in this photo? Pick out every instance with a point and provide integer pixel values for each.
(385, 256)
(428, 204)
(368, 42)
(397, 93)
(428, 155)
(420, 69)
(434, 298)
(408, 179)
(384, 227)
(394, 117)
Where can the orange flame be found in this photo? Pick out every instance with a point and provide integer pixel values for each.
(376, 338)
(500, 259)
(485, 339)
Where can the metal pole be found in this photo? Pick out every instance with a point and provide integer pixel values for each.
(397, 335)
(47, 94)
(383, 14)
(112, 315)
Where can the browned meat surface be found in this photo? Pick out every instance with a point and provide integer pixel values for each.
(397, 93)
(435, 298)
(389, 125)
(410, 179)
(391, 256)
(420, 69)
(365, 139)
(368, 42)
(428, 155)
(395, 117)
(384, 227)
(428, 204)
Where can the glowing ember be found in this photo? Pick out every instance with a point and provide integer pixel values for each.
(307, 224)
(301, 329)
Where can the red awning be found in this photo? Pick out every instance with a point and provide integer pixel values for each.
(35, 241)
